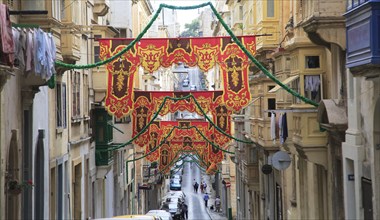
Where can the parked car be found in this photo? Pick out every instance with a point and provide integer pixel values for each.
(193, 88)
(133, 217)
(165, 215)
(174, 209)
(176, 176)
(175, 184)
(173, 198)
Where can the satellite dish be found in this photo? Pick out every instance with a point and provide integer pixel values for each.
(281, 160)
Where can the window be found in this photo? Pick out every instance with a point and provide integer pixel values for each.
(96, 53)
(312, 85)
(58, 9)
(270, 8)
(75, 87)
(270, 87)
(296, 88)
(312, 88)
(253, 155)
(354, 3)
(271, 105)
(61, 105)
(312, 62)
(85, 95)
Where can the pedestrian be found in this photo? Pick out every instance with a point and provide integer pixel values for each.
(205, 187)
(184, 211)
(202, 187)
(217, 204)
(196, 187)
(205, 198)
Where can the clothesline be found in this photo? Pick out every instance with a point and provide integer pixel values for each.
(291, 110)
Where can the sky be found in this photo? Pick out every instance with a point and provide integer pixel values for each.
(184, 16)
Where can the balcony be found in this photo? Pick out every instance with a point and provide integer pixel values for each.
(103, 137)
(250, 173)
(101, 7)
(363, 47)
(309, 140)
(70, 44)
(225, 170)
(323, 22)
(103, 156)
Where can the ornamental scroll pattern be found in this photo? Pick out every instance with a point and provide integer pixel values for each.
(151, 54)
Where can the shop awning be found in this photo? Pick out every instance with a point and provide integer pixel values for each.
(285, 82)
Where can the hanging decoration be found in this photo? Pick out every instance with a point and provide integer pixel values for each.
(147, 103)
(184, 136)
(151, 54)
(121, 73)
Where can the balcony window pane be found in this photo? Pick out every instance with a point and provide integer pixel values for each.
(312, 62)
(349, 4)
(270, 8)
(33, 5)
(313, 87)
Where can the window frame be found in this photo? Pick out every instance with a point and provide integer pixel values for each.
(75, 94)
(296, 86)
(61, 103)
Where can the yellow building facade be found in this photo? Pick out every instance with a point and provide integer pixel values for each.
(297, 46)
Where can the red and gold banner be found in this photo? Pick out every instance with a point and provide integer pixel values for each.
(153, 53)
(186, 136)
(234, 66)
(147, 103)
(121, 74)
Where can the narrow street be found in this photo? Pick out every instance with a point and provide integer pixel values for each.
(197, 209)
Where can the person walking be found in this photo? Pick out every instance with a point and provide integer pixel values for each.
(202, 187)
(196, 187)
(217, 204)
(205, 198)
(205, 187)
(184, 211)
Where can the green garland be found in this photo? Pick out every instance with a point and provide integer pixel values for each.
(229, 31)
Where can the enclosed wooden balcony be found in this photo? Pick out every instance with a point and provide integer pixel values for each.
(103, 135)
(101, 7)
(308, 137)
(70, 43)
(363, 47)
(323, 22)
(250, 172)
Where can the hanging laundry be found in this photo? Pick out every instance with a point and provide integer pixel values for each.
(6, 37)
(280, 128)
(273, 127)
(29, 64)
(19, 39)
(35, 51)
(284, 130)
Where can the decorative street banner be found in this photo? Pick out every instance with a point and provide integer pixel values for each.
(184, 136)
(121, 74)
(146, 103)
(153, 53)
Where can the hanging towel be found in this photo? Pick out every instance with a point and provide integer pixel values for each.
(280, 128)
(284, 133)
(273, 127)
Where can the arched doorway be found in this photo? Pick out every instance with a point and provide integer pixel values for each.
(12, 174)
(39, 177)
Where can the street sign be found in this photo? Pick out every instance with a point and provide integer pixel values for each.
(228, 184)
